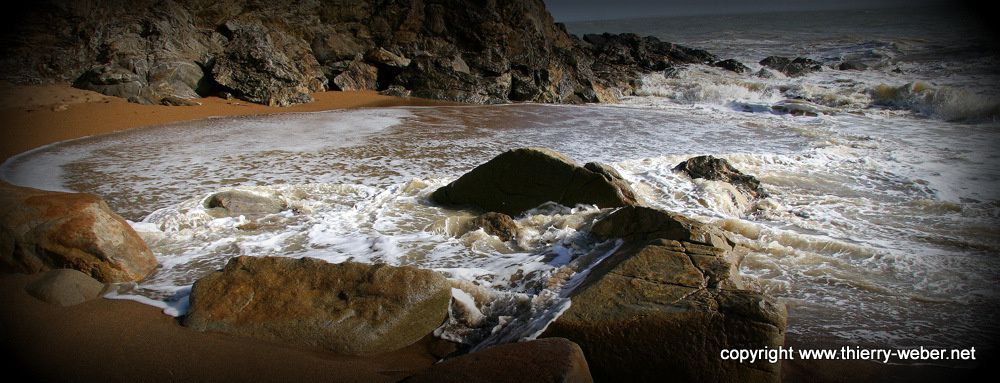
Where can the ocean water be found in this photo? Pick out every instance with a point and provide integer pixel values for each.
(881, 227)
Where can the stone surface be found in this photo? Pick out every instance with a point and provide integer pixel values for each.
(547, 360)
(44, 230)
(65, 287)
(277, 53)
(525, 178)
(665, 304)
(732, 66)
(852, 65)
(498, 224)
(792, 67)
(349, 308)
(718, 169)
(240, 202)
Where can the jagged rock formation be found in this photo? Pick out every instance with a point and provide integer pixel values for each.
(277, 53)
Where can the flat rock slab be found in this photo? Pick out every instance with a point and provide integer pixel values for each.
(350, 308)
(543, 360)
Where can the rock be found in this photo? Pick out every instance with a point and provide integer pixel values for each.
(380, 56)
(44, 230)
(732, 65)
(234, 203)
(718, 169)
(349, 308)
(395, 91)
(267, 67)
(641, 224)
(114, 81)
(498, 224)
(852, 65)
(357, 76)
(663, 305)
(65, 287)
(611, 175)
(177, 101)
(522, 179)
(792, 68)
(548, 360)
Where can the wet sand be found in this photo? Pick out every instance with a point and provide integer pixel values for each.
(37, 115)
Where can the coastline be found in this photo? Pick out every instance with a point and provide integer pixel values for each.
(32, 116)
(107, 339)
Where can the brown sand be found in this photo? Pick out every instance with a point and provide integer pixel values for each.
(105, 340)
(113, 340)
(36, 115)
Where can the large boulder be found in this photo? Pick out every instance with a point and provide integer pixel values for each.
(65, 287)
(718, 169)
(350, 308)
(42, 230)
(665, 304)
(548, 360)
(234, 203)
(639, 224)
(732, 65)
(522, 179)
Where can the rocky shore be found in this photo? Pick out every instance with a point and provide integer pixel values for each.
(174, 52)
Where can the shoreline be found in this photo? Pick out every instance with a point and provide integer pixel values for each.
(33, 116)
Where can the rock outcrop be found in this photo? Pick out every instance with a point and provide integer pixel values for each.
(792, 67)
(42, 230)
(522, 179)
(732, 66)
(277, 53)
(65, 287)
(718, 169)
(547, 360)
(665, 304)
(349, 308)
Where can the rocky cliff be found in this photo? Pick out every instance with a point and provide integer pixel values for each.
(276, 53)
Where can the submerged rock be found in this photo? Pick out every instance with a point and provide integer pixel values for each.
(548, 360)
(522, 179)
(234, 203)
(732, 66)
(665, 304)
(498, 224)
(792, 67)
(42, 230)
(65, 287)
(718, 169)
(350, 308)
(852, 65)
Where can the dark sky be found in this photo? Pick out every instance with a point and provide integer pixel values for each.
(577, 10)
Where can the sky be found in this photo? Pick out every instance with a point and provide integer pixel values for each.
(579, 10)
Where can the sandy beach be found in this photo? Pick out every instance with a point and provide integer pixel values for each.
(118, 340)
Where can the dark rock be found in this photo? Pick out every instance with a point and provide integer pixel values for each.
(665, 304)
(522, 179)
(266, 67)
(114, 81)
(65, 287)
(238, 202)
(498, 224)
(349, 308)
(852, 65)
(792, 68)
(548, 360)
(177, 101)
(718, 169)
(611, 175)
(641, 224)
(42, 230)
(732, 65)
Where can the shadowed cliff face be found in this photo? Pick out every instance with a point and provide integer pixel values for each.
(275, 53)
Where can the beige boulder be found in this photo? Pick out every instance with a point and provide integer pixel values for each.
(350, 308)
(65, 287)
(498, 224)
(42, 230)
